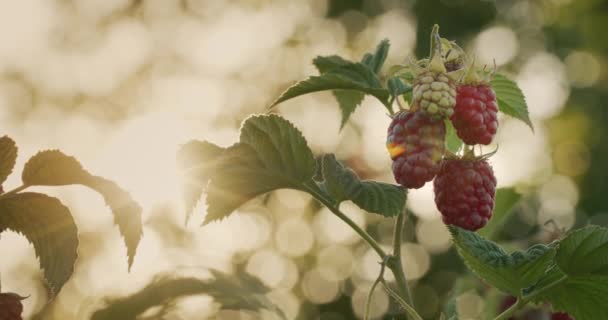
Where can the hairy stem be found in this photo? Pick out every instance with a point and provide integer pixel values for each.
(368, 302)
(406, 306)
(395, 262)
(14, 191)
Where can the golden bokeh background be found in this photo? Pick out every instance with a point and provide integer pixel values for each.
(121, 84)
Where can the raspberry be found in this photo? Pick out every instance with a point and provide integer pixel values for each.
(10, 306)
(475, 114)
(435, 93)
(416, 144)
(464, 192)
(561, 316)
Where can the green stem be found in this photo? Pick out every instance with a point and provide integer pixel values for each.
(319, 196)
(368, 302)
(14, 191)
(507, 314)
(408, 308)
(521, 302)
(395, 262)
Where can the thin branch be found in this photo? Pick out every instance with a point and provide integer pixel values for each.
(396, 263)
(319, 196)
(380, 278)
(407, 307)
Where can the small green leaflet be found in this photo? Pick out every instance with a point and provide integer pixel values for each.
(376, 60)
(351, 76)
(510, 273)
(511, 100)
(272, 154)
(328, 63)
(49, 226)
(54, 168)
(238, 291)
(8, 157)
(452, 141)
(397, 87)
(349, 81)
(342, 183)
(197, 160)
(580, 277)
(506, 199)
(348, 100)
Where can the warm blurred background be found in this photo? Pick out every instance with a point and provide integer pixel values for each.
(121, 84)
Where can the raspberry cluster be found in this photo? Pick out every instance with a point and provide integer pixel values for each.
(10, 306)
(445, 90)
(416, 143)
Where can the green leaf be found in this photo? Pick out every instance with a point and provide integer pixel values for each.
(342, 183)
(452, 142)
(376, 60)
(351, 76)
(348, 100)
(127, 213)
(49, 226)
(506, 199)
(8, 157)
(54, 168)
(238, 291)
(580, 280)
(197, 161)
(397, 87)
(510, 273)
(328, 63)
(272, 154)
(511, 100)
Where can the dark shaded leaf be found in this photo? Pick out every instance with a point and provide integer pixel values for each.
(49, 227)
(272, 154)
(510, 273)
(580, 275)
(197, 161)
(342, 183)
(352, 76)
(8, 157)
(376, 60)
(233, 292)
(54, 168)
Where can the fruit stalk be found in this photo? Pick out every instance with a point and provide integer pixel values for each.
(395, 261)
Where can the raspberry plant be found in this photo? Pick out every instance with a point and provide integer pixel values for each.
(446, 104)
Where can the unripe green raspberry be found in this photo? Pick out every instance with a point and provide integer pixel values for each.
(435, 94)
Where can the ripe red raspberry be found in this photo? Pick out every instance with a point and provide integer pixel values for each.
(464, 192)
(561, 316)
(416, 143)
(10, 306)
(475, 114)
